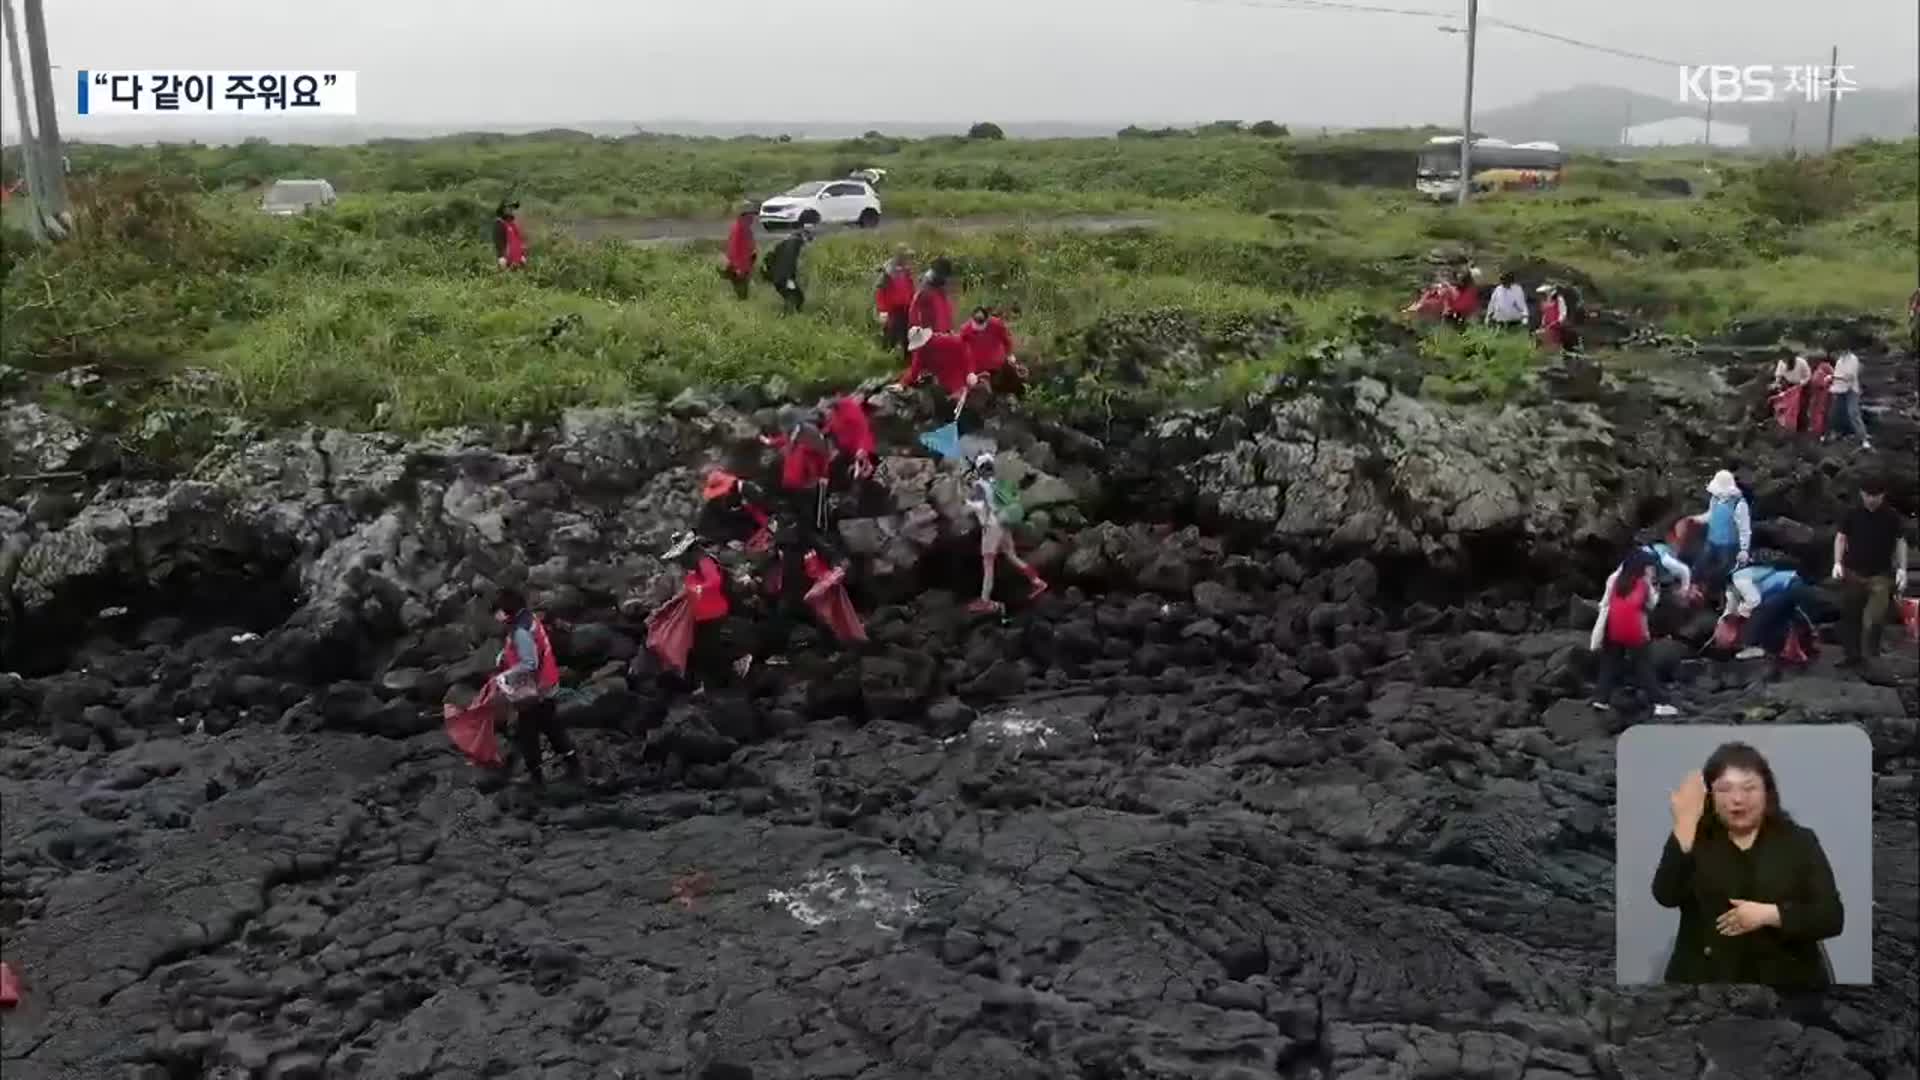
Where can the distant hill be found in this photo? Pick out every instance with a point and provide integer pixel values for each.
(1594, 115)
(329, 132)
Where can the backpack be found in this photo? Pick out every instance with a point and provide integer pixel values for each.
(1571, 296)
(1006, 503)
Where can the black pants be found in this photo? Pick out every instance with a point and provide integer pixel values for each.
(794, 296)
(1773, 620)
(894, 334)
(717, 645)
(739, 283)
(533, 721)
(1635, 663)
(1864, 604)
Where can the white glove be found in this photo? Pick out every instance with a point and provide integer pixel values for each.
(1839, 572)
(502, 683)
(1741, 559)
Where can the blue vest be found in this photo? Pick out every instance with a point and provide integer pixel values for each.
(1770, 581)
(1722, 529)
(1660, 553)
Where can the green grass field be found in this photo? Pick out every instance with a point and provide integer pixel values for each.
(387, 311)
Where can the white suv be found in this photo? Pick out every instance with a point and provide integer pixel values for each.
(823, 202)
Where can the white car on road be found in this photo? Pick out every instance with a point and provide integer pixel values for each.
(823, 202)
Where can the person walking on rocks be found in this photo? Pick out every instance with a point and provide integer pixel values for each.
(711, 659)
(1870, 563)
(995, 512)
(990, 349)
(524, 688)
(1555, 324)
(1846, 417)
(945, 357)
(783, 268)
(1729, 524)
(1621, 634)
(893, 299)
(742, 253)
(1669, 571)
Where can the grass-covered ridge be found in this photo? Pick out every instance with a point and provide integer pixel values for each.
(387, 311)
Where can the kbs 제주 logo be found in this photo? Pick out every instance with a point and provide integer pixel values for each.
(216, 93)
(1725, 84)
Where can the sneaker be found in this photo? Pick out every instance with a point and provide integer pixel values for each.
(1665, 711)
(1751, 652)
(981, 607)
(1603, 706)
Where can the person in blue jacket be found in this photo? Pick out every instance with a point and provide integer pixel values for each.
(1729, 527)
(1669, 570)
(1769, 595)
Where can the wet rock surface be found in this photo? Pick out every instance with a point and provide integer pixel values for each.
(1301, 783)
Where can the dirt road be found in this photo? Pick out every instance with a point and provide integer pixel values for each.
(653, 231)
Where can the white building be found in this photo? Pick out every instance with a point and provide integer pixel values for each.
(1684, 131)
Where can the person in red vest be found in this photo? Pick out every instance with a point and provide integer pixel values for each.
(734, 511)
(1433, 303)
(705, 585)
(1553, 317)
(944, 356)
(524, 687)
(509, 244)
(1621, 633)
(1463, 303)
(741, 253)
(990, 350)
(893, 299)
(932, 307)
(847, 425)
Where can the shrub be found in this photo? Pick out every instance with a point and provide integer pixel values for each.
(1801, 190)
(985, 132)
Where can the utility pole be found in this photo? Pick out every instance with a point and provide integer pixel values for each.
(53, 201)
(1793, 129)
(1466, 122)
(1833, 93)
(1709, 121)
(29, 164)
(1629, 121)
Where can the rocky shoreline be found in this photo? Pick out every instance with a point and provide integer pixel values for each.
(1289, 775)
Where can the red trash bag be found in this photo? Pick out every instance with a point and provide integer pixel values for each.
(1726, 632)
(835, 608)
(1910, 615)
(9, 987)
(1793, 652)
(471, 729)
(1786, 408)
(670, 632)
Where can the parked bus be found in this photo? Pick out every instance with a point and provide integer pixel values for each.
(1497, 165)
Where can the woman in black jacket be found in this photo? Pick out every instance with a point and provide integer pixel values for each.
(1755, 893)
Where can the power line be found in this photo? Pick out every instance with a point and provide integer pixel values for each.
(1578, 44)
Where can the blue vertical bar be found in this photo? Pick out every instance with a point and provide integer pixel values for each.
(83, 92)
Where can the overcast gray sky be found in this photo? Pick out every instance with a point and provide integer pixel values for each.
(954, 61)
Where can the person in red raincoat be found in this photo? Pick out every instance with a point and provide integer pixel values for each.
(893, 299)
(509, 243)
(1434, 302)
(944, 356)
(990, 348)
(741, 253)
(932, 307)
(1819, 395)
(734, 511)
(852, 434)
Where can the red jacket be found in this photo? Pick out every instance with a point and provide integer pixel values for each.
(895, 294)
(847, 426)
(1627, 616)
(740, 251)
(1464, 301)
(708, 587)
(803, 466)
(933, 309)
(546, 669)
(989, 345)
(947, 358)
(516, 244)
